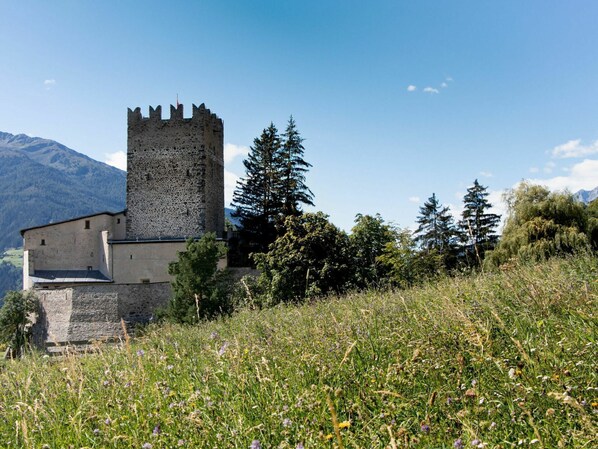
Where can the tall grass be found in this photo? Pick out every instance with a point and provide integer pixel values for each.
(507, 359)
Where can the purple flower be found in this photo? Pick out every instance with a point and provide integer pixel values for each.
(146, 446)
(108, 421)
(458, 444)
(221, 353)
(255, 444)
(157, 430)
(181, 442)
(287, 422)
(425, 428)
(140, 353)
(476, 442)
(299, 446)
(96, 431)
(449, 400)
(214, 335)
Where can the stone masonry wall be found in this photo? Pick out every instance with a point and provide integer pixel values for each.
(90, 312)
(175, 179)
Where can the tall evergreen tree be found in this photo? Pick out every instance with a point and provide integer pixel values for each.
(256, 197)
(436, 233)
(293, 191)
(477, 226)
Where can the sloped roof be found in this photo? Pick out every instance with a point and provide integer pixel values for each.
(68, 277)
(112, 214)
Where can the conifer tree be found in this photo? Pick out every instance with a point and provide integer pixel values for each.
(256, 197)
(293, 191)
(477, 226)
(436, 233)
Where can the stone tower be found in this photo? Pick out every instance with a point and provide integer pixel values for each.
(175, 174)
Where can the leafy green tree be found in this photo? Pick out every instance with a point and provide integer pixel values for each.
(311, 257)
(256, 198)
(477, 226)
(540, 224)
(592, 212)
(293, 190)
(437, 234)
(368, 239)
(15, 324)
(406, 265)
(197, 292)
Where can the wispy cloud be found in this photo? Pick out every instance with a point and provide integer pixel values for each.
(431, 90)
(411, 88)
(443, 85)
(117, 159)
(574, 149)
(486, 174)
(414, 199)
(230, 183)
(534, 169)
(232, 151)
(48, 84)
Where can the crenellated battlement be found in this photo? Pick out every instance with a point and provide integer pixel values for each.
(134, 116)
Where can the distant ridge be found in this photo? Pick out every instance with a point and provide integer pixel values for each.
(586, 196)
(43, 181)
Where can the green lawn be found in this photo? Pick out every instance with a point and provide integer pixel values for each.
(13, 256)
(502, 360)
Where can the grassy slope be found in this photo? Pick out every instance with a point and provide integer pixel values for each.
(507, 359)
(13, 257)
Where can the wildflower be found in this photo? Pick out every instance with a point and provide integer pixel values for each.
(534, 441)
(300, 446)
(140, 353)
(287, 422)
(157, 430)
(214, 335)
(344, 424)
(476, 442)
(169, 367)
(108, 421)
(106, 383)
(492, 425)
(96, 431)
(329, 436)
(449, 400)
(128, 384)
(512, 374)
(425, 428)
(147, 446)
(255, 444)
(181, 442)
(221, 353)
(458, 444)
(474, 383)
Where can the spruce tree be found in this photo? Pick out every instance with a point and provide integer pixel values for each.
(293, 191)
(256, 197)
(477, 226)
(436, 233)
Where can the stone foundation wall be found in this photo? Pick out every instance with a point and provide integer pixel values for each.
(91, 312)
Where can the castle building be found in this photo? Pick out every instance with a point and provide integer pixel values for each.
(91, 272)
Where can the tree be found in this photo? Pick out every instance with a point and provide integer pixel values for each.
(15, 320)
(368, 238)
(540, 224)
(196, 292)
(293, 191)
(256, 197)
(310, 258)
(405, 264)
(477, 226)
(436, 233)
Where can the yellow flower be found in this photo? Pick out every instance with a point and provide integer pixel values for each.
(594, 404)
(329, 436)
(344, 424)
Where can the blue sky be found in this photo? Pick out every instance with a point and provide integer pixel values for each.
(395, 99)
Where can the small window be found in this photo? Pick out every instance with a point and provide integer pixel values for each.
(118, 221)
(145, 281)
(131, 257)
(188, 173)
(87, 224)
(43, 242)
(89, 268)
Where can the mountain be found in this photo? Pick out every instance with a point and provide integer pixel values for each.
(586, 196)
(43, 181)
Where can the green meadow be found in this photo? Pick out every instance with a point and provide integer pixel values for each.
(506, 359)
(13, 257)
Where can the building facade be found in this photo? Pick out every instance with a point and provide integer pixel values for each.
(91, 272)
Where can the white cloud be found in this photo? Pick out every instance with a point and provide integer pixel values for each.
(232, 151)
(583, 175)
(117, 159)
(414, 199)
(443, 85)
(411, 88)
(448, 78)
(49, 82)
(574, 148)
(486, 174)
(549, 167)
(431, 90)
(534, 170)
(230, 183)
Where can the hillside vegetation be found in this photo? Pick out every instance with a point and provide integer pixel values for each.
(507, 359)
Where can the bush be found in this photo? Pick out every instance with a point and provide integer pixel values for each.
(15, 320)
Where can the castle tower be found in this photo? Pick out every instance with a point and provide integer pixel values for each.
(175, 174)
